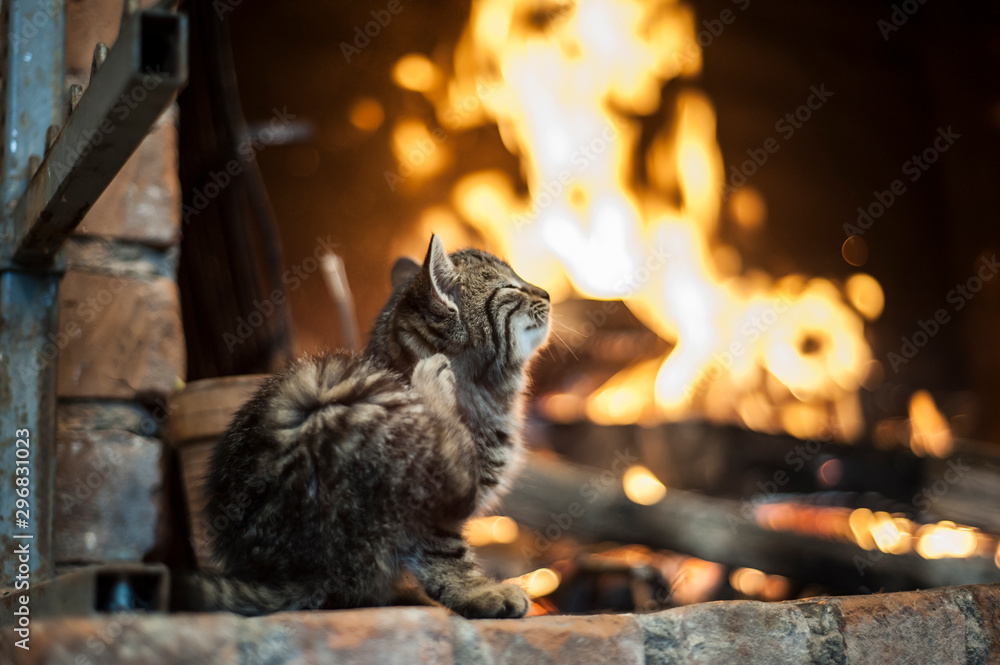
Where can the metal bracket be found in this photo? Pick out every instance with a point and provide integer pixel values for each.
(88, 590)
(130, 90)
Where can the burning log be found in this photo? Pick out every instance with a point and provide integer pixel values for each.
(556, 498)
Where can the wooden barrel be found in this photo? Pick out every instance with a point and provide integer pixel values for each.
(199, 416)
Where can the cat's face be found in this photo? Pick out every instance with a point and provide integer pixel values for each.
(474, 306)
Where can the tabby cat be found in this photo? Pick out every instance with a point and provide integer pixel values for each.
(345, 470)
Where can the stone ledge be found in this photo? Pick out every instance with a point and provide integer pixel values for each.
(949, 625)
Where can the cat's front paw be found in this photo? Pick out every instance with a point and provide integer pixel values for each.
(434, 380)
(494, 601)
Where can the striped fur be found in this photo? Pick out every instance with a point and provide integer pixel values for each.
(344, 470)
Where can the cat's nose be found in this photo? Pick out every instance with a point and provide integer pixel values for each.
(541, 293)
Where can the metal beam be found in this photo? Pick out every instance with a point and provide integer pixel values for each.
(32, 102)
(29, 309)
(32, 84)
(137, 82)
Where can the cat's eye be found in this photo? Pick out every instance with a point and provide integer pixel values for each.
(517, 287)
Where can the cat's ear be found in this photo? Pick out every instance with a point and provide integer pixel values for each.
(403, 272)
(440, 272)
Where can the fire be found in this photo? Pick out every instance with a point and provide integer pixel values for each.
(416, 151)
(415, 72)
(756, 584)
(747, 581)
(929, 431)
(538, 583)
(367, 114)
(889, 533)
(946, 540)
(481, 531)
(641, 486)
(566, 85)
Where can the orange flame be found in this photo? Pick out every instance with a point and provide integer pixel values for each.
(564, 84)
(929, 431)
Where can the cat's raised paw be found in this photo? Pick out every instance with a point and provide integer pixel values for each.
(495, 601)
(433, 378)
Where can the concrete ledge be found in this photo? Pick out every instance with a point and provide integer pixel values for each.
(949, 625)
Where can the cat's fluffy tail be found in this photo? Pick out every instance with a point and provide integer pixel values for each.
(205, 592)
(328, 386)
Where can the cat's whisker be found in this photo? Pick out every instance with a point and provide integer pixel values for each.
(556, 321)
(563, 342)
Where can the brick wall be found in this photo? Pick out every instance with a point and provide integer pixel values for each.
(123, 353)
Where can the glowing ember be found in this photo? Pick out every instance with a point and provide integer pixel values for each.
(929, 431)
(539, 583)
(748, 581)
(415, 72)
(641, 486)
(748, 208)
(945, 540)
(695, 580)
(565, 84)
(865, 293)
(417, 150)
(892, 534)
(756, 584)
(367, 114)
(483, 531)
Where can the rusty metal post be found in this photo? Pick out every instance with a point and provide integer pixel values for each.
(33, 73)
